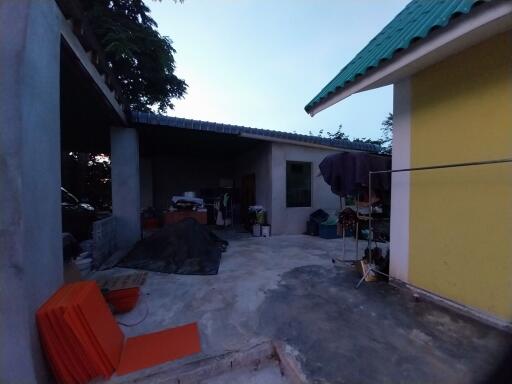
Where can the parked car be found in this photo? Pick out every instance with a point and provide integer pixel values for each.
(77, 217)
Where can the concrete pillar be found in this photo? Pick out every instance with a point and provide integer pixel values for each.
(400, 182)
(30, 213)
(124, 144)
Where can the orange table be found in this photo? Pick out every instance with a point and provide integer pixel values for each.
(176, 216)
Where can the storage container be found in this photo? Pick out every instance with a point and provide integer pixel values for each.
(328, 231)
(256, 230)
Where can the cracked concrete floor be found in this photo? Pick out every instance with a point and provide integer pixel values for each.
(286, 288)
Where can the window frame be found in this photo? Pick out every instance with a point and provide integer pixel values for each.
(299, 204)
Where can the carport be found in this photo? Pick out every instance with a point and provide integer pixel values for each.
(176, 158)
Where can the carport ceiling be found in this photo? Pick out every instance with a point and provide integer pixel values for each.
(166, 140)
(86, 115)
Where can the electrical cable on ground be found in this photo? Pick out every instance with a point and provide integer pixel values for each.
(141, 320)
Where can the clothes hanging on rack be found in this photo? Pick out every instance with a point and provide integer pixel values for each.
(223, 210)
(227, 211)
(219, 219)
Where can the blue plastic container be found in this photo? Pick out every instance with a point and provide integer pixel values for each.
(327, 231)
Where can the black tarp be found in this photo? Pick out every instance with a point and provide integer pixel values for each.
(347, 172)
(185, 248)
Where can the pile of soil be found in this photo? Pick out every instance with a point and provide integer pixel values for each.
(185, 248)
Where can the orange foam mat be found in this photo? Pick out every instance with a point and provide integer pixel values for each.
(52, 342)
(83, 341)
(100, 358)
(93, 351)
(159, 347)
(60, 370)
(79, 334)
(73, 351)
(101, 322)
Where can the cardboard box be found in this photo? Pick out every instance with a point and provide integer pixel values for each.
(362, 268)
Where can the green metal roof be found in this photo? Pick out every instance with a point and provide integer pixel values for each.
(415, 22)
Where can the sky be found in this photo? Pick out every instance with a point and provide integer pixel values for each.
(257, 63)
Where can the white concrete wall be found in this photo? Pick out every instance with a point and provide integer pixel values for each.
(124, 144)
(400, 182)
(293, 220)
(30, 213)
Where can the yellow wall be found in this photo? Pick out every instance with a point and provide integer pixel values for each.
(461, 219)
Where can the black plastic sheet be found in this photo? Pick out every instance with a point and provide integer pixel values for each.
(347, 172)
(185, 248)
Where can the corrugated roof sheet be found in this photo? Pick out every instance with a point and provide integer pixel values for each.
(146, 118)
(415, 22)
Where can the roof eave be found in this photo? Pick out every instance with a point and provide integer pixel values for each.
(374, 150)
(486, 21)
(142, 119)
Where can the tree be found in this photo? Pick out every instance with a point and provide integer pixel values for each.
(384, 141)
(387, 133)
(368, 141)
(87, 176)
(339, 134)
(141, 58)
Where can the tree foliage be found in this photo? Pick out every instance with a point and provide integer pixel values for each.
(387, 133)
(87, 176)
(338, 135)
(141, 58)
(385, 141)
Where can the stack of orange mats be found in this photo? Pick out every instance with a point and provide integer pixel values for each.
(122, 300)
(79, 334)
(82, 340)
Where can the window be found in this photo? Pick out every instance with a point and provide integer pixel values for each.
(298, 184)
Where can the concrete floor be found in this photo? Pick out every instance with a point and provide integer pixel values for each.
(286, 288)
(270, 374)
